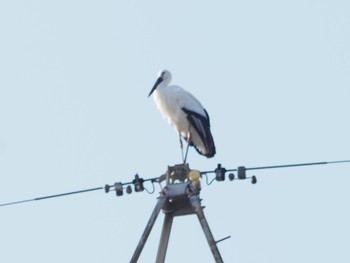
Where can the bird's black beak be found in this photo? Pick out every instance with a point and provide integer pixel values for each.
(159, 80)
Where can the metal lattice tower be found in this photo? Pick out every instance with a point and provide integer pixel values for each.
(180, 197)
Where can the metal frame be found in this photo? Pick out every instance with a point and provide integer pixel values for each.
(179, 197)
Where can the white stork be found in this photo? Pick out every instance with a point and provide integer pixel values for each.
(185, 113)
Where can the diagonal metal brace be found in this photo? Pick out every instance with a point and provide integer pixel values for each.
(148, 229)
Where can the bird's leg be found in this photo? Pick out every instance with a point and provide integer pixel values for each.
(182, 148)
(188, 146)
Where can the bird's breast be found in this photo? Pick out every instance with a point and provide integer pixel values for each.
(168, 104)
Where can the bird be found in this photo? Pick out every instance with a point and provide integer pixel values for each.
(185, 113)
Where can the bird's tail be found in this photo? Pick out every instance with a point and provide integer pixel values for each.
(209, 145)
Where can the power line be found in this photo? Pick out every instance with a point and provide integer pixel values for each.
(281, 166)
(53, 196)
(295, 165)
(139, 187)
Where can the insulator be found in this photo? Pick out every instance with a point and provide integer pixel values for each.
(118, 188)
(254, 180)
(129, 189)
(231, 176)
(220, 173)
(138, 183)
(241, 173)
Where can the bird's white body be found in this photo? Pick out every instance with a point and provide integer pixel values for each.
(185, 113)
(170, 100)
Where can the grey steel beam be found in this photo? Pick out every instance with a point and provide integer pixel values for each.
(148, 229)
(164, 239)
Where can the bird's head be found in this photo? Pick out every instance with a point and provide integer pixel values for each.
(164, 76)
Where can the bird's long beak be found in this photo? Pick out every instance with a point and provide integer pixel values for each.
(159, 80)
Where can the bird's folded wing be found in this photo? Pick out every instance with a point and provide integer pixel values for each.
(201, 124)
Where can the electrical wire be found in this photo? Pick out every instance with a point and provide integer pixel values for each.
(52, 196)
(153, 188)
(207, 178)
(281, 166)
(154, 180)
(291, 165)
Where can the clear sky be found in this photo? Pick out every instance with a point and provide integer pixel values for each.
(74, 114)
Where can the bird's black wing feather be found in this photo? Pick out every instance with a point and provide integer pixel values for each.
(202, 125)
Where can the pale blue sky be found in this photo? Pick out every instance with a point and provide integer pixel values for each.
(74, 114)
